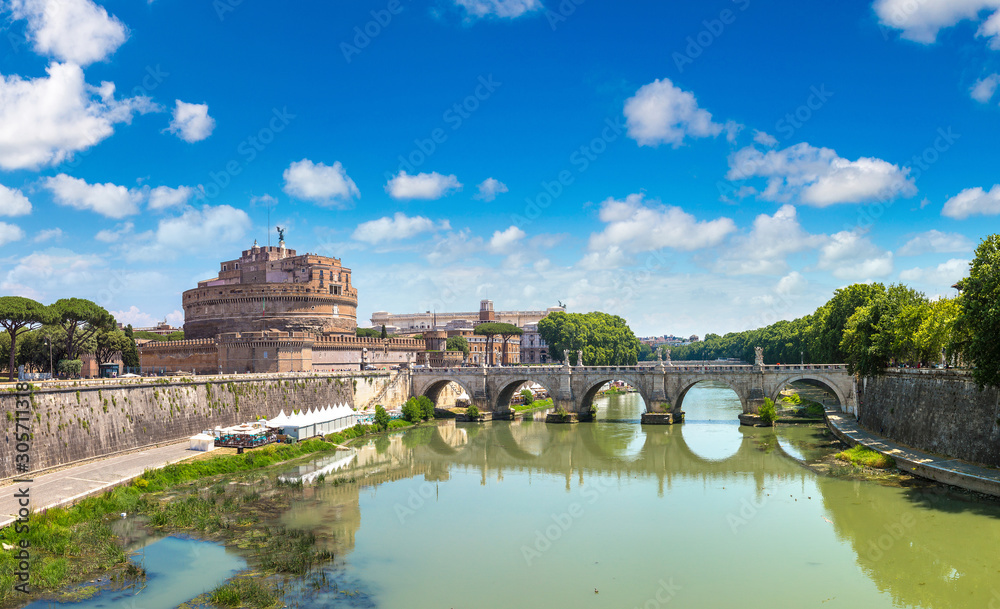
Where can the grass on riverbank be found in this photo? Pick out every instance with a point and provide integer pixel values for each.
(68, 545)
(866, 457)
(532, 407)
(244, 592)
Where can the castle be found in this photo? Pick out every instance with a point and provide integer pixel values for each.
(274, 311)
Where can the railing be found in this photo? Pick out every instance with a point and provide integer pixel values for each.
(667, 367)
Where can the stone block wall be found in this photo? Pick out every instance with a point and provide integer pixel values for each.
(936, 411)
(71, 424)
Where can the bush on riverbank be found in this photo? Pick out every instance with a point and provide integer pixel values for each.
(244, 592)
(417, 409)
(536, 405)
(767, 412)
(360, 430)
(866, 457)
(472, 412)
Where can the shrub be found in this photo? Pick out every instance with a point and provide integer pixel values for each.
(426, 407)
(70, 367)
(792, 399)
(527, 396)
(768, 414)
(381, 418)
(412, 411)
(472, 412)
(866, 457)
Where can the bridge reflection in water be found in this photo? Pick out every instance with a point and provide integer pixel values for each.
(692, 504)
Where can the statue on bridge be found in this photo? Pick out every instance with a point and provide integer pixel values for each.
(669, 361)
(579, 359)
(758, 356)
(566, 357)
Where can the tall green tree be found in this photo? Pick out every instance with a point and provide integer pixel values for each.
(17, 316)
(130, 356)
(81, 320)
(979, 316)
(606, 340)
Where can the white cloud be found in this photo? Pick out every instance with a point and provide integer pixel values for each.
(851, 256)
(935, 241)
(10, 233)
(55, 271)
(13, 202)
(109, 200)
(140, 319)
(323, 184)
(396, 228)
(213, 227)
(455, 247)
(634, 226)
(191, 122)
(984, 88)
(943, 275)
(502, 241)
(765, 139)
(764, 249)
(507, 9)
(43, 121)
(164, 197)
(660, 113)
(76, 31)
(114, 235)
(818, 177)
(489, 189)
(427, 186)
(921, 20)
(791, 283)
(49, 234)
(973, 201)
(991, 29)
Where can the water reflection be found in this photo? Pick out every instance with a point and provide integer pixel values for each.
(682, 503)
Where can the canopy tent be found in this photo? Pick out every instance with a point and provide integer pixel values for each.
(203, 442)
(328, 419)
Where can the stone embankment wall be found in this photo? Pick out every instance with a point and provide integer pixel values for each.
(937, 411)
(74, 423)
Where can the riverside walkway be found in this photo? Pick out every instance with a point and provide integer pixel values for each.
(940, 469)
(73, 483)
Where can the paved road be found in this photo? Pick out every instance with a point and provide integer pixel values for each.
(941, 469)
(68, 485)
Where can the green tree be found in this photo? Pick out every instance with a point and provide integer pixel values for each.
(70, 367)
(130, 356)
(527, 397)
(606, 340)
(110, 343)
(458, 343)
(17, 316)
(178, 335)
(385, 334)
(81, 320)
(381, 418)
(979, 316)
(367, 332)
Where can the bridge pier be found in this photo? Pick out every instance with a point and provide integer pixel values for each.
(662, 418)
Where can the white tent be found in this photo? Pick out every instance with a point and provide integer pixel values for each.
(202, 442)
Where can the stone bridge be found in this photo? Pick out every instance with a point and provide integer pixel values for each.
(662, 386)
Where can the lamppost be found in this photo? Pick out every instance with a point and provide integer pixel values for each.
(802, 358)
(51, 371)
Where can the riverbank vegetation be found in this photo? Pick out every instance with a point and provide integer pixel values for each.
(605, 340)
(533, 406)
(866, 457)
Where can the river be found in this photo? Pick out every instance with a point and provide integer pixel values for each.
(613, 514)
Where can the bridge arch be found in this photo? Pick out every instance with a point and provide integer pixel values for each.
(593, 387)
(433, 387)
(688, 384)
(811, 379)
(507, 387)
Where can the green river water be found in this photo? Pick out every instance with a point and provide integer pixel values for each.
(613, 514)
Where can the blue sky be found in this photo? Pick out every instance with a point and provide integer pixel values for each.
(693, 167)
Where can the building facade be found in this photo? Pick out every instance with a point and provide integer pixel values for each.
(534, 350)
(273, 288)
(411, 323)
